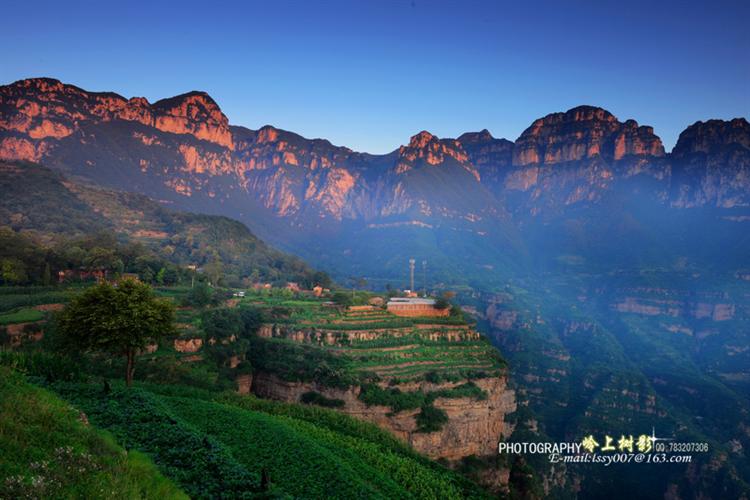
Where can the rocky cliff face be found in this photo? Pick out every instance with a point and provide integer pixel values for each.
(579, 157)
(474, 426)
(184, 150)
(36, 111)
(711, 165)
(328, 203)
(583, 133)
(491, 157)
(440, 388)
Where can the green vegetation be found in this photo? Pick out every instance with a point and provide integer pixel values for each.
(221, 443)
(297, 362)
(13, 298)
(121, 320)
(48, 452)
(21, 316)
(312, 343)
(195, 429)
(429, 419)
(89, 229)
(200, 295)
(202, 466)
(316, 398)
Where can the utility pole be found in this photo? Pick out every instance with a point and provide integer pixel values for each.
(424, 278)
(411, 274)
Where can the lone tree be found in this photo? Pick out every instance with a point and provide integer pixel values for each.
(120, 320)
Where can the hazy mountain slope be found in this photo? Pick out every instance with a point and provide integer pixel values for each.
(40, 202)
(313, 198)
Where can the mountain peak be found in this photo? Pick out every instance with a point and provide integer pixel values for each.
(421, 139)
(193, 113)
(40, 86)
(47, 107)
(38, 82)
(712, 134)
(583, 132)
(425, 147)
(196, 97)
(267, 133)
(586, 112)
(476, 137)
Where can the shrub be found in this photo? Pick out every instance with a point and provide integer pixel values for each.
(442, 303)
(201, 295)
(222, 323)
(300, 363)
(396, 399)
(431, 419)
(252, 319)
(342, 298)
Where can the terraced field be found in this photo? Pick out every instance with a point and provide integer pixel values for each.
(376, 345)
(427, 380)
(431, 386)
(413, 359)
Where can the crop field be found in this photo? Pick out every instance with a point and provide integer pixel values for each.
(416, 359)
(403, 348)
(47, 452)
(218, 444)
(14, 298)
(24, 315)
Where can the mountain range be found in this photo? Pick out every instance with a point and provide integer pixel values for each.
(612, 274)
(289, 189)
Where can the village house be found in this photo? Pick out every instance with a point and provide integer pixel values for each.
(410, 306)
(82, 274)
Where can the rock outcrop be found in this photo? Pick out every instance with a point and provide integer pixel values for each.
(474, 426)
(182, 150)
(711, 165)
(582, 133)
(43, 108)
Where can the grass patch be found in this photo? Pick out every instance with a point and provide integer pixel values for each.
(48, 452)
(21, 316)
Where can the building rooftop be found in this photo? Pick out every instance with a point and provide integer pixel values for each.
(411, 300)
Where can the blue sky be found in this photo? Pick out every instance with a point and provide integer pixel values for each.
(370, 74)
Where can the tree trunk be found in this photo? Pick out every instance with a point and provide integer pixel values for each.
(130, 368)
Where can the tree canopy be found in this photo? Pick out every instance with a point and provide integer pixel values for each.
(119, 319)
